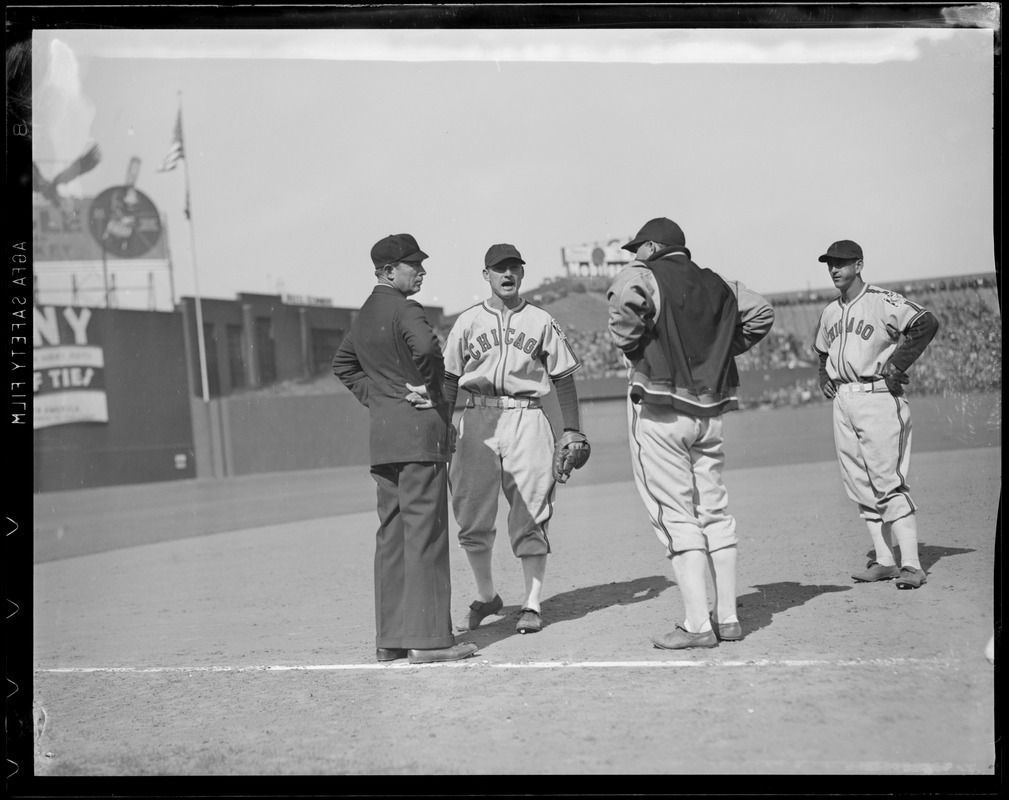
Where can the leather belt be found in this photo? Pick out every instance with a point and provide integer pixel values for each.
(868, 386)
(487, 401)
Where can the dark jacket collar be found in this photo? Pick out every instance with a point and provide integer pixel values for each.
(385, 288)
(674, 250)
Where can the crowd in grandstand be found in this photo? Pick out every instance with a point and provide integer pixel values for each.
(965, 356)
(600, 357)
(915, 288)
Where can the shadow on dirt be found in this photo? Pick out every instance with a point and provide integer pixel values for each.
(757, 609)
(571, 605)
(928, 554)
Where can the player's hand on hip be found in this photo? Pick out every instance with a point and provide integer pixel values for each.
(828, 389)
(895, 379)
(419, 397)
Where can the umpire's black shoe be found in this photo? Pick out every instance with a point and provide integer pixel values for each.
(453, 653)
(479, 610)
(390, 653)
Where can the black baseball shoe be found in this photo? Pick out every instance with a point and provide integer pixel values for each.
(910, 578)
(478, 610)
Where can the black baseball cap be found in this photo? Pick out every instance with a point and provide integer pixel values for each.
(661, 230)
(502, 252)
(395, 248)
(844, 249)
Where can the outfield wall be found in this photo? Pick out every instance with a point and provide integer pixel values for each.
(255, 433)
(111, 399)
(118, 393)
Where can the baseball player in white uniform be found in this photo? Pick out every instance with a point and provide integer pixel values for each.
(866, 340)
(680, 327)
(507, 354)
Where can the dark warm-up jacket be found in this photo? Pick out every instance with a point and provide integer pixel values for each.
(680, 327)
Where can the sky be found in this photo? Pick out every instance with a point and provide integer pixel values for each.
(305, 147)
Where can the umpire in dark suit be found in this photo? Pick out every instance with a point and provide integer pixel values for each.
(390, 345)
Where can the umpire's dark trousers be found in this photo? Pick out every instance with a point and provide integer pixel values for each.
(413, 586)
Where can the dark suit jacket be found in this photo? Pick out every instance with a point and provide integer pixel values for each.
(391, 344)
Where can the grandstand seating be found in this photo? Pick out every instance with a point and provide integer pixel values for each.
(965, 356)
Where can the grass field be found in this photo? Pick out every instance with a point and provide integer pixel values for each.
(227, 628)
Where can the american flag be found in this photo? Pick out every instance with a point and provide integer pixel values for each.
(175, 152)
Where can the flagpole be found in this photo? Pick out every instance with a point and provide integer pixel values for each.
(201, 344)
(168, 253)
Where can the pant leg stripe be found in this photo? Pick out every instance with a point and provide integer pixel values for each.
(635, 411)
(901, 441)
(901, 451)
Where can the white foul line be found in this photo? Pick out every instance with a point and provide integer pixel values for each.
(403, 664)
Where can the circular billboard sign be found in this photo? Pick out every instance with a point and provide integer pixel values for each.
(124, 222)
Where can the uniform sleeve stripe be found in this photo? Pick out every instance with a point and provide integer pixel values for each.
(921, 312)
(573, 354)
(564, 374)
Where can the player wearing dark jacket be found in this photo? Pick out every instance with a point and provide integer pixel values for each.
(684, 359)
(680, 326)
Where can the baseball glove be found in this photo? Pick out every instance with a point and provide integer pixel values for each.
(895, 379)
(571, 452)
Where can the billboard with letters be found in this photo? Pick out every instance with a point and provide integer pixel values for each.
(68, 368)
(597, 260)
(111, 397)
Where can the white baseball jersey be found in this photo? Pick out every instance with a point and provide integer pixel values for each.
(859, 338)
(511, 352)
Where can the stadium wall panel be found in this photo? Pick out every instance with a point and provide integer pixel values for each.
(275, 433)
(149, 432)
(279, 433)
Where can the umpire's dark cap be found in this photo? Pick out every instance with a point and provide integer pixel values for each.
(502, 252)
(395, 248)
(661, 230)
(844, 249)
